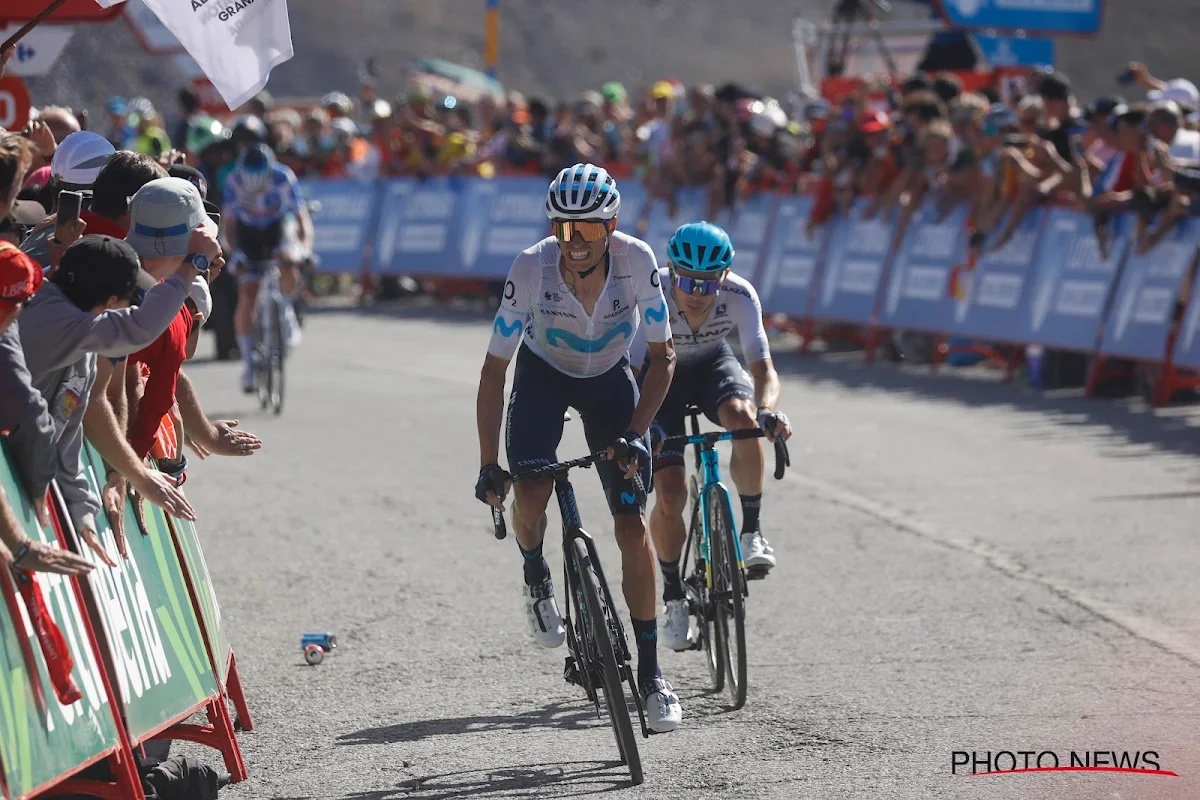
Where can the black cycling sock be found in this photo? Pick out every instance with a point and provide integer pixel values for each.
(751, 503)
(672, 581)
(536, 568)
(645, 633)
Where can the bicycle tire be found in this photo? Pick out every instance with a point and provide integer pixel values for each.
(276, 357)
(728, 591)
(614, 691)
(705, 613)
(262, 372)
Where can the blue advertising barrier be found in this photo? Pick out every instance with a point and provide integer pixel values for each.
(792, 259)
(1073, 282)
(749, 227)
(918, 291)
(1143, 309)
(499, 218)
(691, 205)
(1187, 346)
(418, 227)
(990, 306)
(343, 221)
(854, 266)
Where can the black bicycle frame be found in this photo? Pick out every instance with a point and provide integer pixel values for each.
(573, 529)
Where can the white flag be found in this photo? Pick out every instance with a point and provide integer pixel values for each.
(236, 42)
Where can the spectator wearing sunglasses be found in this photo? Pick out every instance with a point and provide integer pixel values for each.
(84, 311)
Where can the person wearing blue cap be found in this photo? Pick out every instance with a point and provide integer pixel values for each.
(117, 127)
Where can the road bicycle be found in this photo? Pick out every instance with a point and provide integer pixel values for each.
(599, 654)
(270, 349)
(714, 577)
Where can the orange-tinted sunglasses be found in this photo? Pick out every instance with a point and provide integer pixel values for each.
(590, 230)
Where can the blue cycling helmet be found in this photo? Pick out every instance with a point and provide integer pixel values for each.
(255, 165)
(700, 247)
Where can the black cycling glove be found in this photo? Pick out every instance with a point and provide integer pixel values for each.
(637, 448)
(491, 479)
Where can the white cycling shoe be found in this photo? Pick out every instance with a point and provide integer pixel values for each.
(676, 629)
(663, 712)
(541, 612)
(756, 551)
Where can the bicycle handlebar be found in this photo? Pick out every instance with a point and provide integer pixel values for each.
(622, 454)
(783, 458)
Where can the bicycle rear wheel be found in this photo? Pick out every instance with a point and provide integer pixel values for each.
(614, 693)
(728, 591)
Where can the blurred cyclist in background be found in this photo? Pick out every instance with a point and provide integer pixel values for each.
(260, 196)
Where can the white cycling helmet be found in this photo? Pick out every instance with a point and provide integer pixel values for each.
(80, 157)
(583, 191)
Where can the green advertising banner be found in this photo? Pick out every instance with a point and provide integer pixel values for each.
(159, 660)
(38, 745)
(206, 596)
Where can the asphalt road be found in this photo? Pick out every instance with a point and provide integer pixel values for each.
(964, 566)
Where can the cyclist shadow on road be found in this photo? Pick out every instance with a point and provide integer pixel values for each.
(569, 779)
(573, 715)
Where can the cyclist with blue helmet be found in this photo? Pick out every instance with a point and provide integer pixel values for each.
(571, 305)
(260, 196)
(705, 303)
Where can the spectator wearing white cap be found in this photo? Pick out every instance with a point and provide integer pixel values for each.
(78, 159)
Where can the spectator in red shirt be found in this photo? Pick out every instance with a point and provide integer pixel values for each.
(168, 225)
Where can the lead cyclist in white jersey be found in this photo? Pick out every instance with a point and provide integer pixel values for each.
(579, 296)
(705, 303)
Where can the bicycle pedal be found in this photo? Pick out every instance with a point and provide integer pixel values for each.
(571, 672)
(757, 573)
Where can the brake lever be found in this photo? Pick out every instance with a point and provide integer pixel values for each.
(783, 458)
(501, 529)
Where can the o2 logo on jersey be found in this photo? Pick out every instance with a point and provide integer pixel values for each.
(510, 292)
(654, 279)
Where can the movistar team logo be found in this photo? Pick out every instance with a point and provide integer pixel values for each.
(656, 314)
(629, 498)
(504, 329)
(557, 336)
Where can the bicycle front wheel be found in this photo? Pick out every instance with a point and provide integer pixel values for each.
(275, 358)
(695, 577)
(728, 593)
(614, 692)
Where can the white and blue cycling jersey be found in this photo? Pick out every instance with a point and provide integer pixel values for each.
(555, 325)
(264, 208)
(736, 307)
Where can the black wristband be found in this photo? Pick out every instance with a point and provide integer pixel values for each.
(22, 551)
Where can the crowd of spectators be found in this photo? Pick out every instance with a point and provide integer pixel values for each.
(98, 313)
(996, 149)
